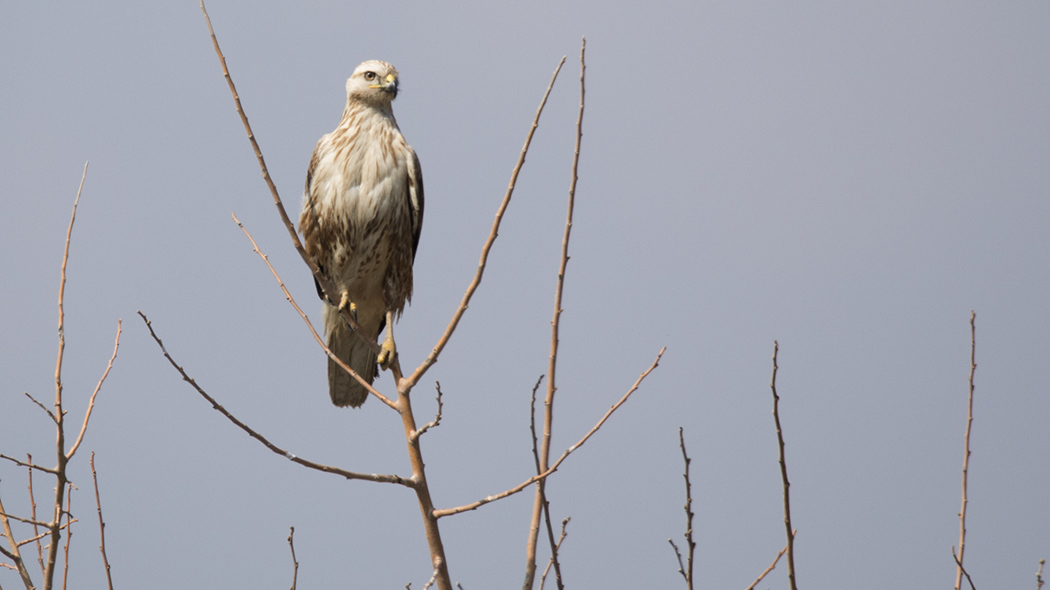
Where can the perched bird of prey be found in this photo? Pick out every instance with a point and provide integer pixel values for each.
(362, 214)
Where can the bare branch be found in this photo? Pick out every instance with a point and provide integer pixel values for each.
(381, 478)
(540, 504)
(687, 569)
(958, 562)
(1039, 575)
(771, 566)
(475, 505)
(317, 337)
(295, 563)
(101, 524)
(550, 562)
(42, 406)
(69, 533)
(91, 403)
(32, 514)
(966, 456)
(783, 474)
(437, 418)
(29, 465)
(476, 282)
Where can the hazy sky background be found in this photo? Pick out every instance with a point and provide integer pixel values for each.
(849, 178)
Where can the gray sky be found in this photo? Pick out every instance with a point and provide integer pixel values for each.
(850, 179)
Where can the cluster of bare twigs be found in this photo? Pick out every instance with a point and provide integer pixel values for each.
(61, 511)
(417, 481)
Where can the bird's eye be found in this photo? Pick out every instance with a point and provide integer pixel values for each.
(370, 76)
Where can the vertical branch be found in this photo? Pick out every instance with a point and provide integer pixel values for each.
(966, 455)
(69, 534)
(686, 569)
(540, 504)
(101, 525)
(783, 473)
(295, 564)
(32, 514)
(1039, 575)
(55, 525)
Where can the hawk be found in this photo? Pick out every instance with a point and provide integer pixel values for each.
(362, 214)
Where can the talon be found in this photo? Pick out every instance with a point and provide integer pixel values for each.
(387, 354)
(344, 302)
(388, 350)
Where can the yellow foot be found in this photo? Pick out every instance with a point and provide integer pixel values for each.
(344, 302)
(388, 351)
(387, 354)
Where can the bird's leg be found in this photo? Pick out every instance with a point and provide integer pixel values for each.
(344, 302)
(388, 351)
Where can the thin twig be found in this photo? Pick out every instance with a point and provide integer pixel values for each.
(91, 403)
(550, 562)
(317, 337)
(541, 506)
(1039, 575)
(32, 513)
(381, 478)
(687, 571)
(958, 562)
(101, 524)
(69, 534)
(295, 564)
(29, 465)
(437, 418)
(771, 566)
(966, 456)
(42, 406)
(783, 474)
(476, 282)
(514, 490)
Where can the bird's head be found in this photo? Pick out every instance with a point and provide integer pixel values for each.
(373, 82)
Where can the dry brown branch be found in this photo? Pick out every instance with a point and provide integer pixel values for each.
(101, 524)
(514, 490)
(966, 457)
(69, 534)
(309, 325)
(476, 282)
(540, 504)
(1039, 575)
(55, 526)
(771, 566)
(958, 562)
(381, 478)
(32, 513)
(295, 563)
(29, 465)
(437, 418)
(550, 562)
(686, 569)
(783, 474)
(41, 406)
(91, 403)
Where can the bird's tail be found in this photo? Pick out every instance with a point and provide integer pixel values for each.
(355, 352)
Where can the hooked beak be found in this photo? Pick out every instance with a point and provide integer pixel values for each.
(388, 85)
